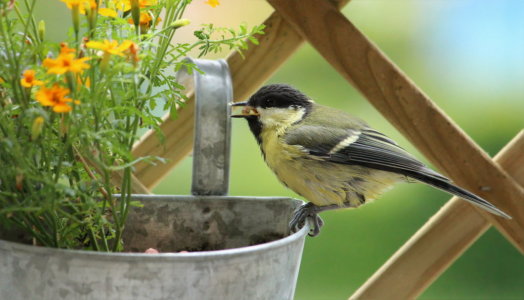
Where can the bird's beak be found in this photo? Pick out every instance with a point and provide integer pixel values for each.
(247, 111)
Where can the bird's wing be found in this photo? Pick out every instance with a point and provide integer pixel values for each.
(362, 146)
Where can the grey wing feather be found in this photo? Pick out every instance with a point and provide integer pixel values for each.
(370, 148)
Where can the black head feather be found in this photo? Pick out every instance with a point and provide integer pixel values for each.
(279, 95)
(275, 95)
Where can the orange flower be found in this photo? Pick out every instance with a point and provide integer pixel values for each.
(212, 3)
(146, 3)
(65, 62)
(110, 47)
(92, 4)
(132, 53)
(29, 80)
(145, 19)
(64, 49)
(55, 97)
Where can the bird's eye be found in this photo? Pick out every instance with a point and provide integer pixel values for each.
(269, 102)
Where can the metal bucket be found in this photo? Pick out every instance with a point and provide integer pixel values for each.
(260, 261)
(250, 268)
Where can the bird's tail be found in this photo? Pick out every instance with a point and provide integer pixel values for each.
(444, 184)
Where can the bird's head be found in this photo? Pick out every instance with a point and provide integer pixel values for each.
(275, 106)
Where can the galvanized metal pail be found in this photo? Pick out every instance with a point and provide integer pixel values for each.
(258, 258)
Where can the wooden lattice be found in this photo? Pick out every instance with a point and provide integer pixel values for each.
(457, 225)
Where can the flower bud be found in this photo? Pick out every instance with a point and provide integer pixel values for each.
(19, 182)
(41, 30)
(75, 11)
(180, 23)
(36, 129)
(135, 12)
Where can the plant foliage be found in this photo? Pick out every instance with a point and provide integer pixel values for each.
(71, 112)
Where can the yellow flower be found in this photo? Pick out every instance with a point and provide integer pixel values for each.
(212, 3)
(107, 12)
(65, 62)
(80, 4)
(86, 83)
(110, 47)
(29, 80)
(55, 97)
(125, 5)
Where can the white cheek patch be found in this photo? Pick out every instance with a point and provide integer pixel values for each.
(345, 142)
(280, 117)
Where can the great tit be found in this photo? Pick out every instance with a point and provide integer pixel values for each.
(331, 158)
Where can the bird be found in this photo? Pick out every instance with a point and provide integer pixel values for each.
(331, 158)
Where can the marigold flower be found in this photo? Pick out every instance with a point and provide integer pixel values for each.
(110, 47)
(29, 80)
(65, 62)
(92, 4)
(64, 49)
(86, 83)
(123, 5)
(146, 3)
(212, 3)
(81, 5)
(55, 97)
(107, 12)
(145, 19)
(132, 53)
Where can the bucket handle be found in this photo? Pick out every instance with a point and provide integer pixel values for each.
(211, 149)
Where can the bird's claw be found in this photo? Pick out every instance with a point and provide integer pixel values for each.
(309, 212)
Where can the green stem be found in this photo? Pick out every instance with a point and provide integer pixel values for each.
(94, 242)
(5, 32)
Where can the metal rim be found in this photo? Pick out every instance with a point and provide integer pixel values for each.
(160, 256)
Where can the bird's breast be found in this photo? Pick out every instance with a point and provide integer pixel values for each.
(319, 181)
(300, 172)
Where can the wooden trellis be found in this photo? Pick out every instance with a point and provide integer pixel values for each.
(457, 225)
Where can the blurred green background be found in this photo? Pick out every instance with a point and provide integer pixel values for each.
(467, 55)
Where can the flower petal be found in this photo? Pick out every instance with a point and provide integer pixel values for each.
(108, 12)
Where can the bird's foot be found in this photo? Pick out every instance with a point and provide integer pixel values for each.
(308, 211)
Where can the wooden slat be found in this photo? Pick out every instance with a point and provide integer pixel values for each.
(360, 62)
(436, 245)
(278, 43)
